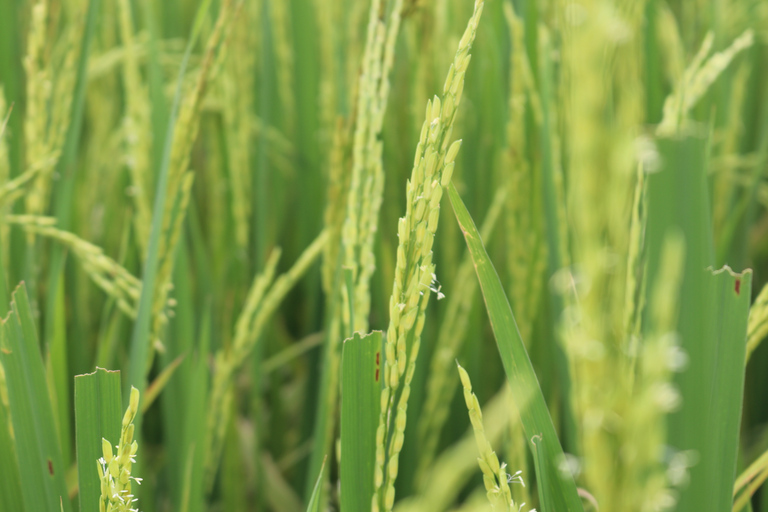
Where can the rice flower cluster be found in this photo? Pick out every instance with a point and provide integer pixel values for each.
(180, 177)
(50, 80)
(264, 297)
(697, 79)
(136, 129)
(115, 469)
(367, 179)
(495, 477)
(414, 272)
(114, 279)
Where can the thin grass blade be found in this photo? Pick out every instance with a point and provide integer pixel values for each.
(314, 500)
(539, 463)
(554, 485)
(157, 386)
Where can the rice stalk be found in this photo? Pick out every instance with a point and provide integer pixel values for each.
(601, 289)
(38, 75)
(110, 276)
(563, 121)
(237, 81)
(495, 477)
(179, 177)
(334, 215)
(414, 272)
(166, 265)
(697, 79)
(457, 464)
(329, 19)
(367, 178)
(277, 140)
(115, 468)
(136, 129)
(749, 481)
(670, 42)
(263, 299)
(633, 294)
(284, 53)
(649, 480)
(354, 201)
(49, 97)
(517, 457)
(757, 325)
(5, 173)
(110, 60)
(527, 258)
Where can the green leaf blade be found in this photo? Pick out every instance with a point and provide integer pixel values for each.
(41, 469)
(98, 414)
(10, 482)
(555, 486)
(711, 326)
(360, 408)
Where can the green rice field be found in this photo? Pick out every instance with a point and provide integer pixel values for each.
(383, 255)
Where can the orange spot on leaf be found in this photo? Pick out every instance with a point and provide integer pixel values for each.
(737, 286)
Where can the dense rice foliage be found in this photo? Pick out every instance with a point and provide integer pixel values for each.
(211, 196)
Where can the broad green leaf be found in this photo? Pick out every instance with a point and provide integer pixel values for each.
(39, 455)
(10, 483)
(555, 486)
(712, 325)
(360, 408)
(98, 414)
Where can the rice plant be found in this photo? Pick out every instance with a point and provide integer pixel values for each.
(284, 224)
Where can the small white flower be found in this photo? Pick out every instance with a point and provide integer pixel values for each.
(517, 478)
